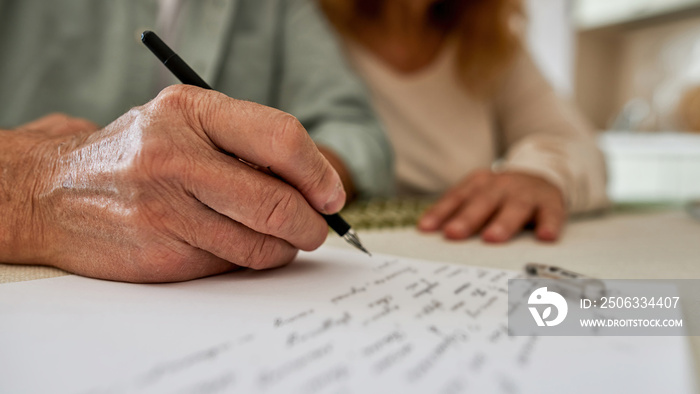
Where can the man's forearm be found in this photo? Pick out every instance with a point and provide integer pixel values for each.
(21, 162)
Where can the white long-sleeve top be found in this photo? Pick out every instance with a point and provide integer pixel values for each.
(441, 132)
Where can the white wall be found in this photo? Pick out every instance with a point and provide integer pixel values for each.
(551, 40)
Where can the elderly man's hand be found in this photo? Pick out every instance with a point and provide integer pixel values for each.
(160, 194)
(498, 205)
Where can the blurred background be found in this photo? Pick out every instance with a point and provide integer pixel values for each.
(633, 68)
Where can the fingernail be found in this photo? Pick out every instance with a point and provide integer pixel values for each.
(428, 223)
(336, 201)
(496, 232)
(546, 234)
(457, 229)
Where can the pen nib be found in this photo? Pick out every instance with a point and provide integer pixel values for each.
(352, 238)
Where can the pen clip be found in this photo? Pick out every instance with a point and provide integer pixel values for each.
(573, 284)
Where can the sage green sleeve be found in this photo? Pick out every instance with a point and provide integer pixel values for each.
(318, 87)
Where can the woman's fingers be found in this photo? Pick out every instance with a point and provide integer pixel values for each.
(511, 218)
(501, 204)
(442, 211)
(550, 221)
(433, 219)
(472, 216)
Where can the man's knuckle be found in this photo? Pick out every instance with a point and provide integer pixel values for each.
(162, 162)
(316, 179)
(279, 213)
(291, 125)
(160, 153)
(262, 252)
(171, 95)
(174, 98)
(290, 136)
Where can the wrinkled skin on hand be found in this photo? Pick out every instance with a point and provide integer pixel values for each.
(161, 195)
(498, 205)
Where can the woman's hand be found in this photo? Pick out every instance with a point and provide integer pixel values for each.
(499, 205)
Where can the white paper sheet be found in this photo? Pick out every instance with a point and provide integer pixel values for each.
(333, 321)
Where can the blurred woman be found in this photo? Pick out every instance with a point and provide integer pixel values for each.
(470, 116)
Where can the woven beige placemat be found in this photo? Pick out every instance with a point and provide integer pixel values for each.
(20, 273)
(378, 214)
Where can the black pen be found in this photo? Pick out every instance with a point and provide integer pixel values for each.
(188, 76)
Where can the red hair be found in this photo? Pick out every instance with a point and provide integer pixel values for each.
(485, 31)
